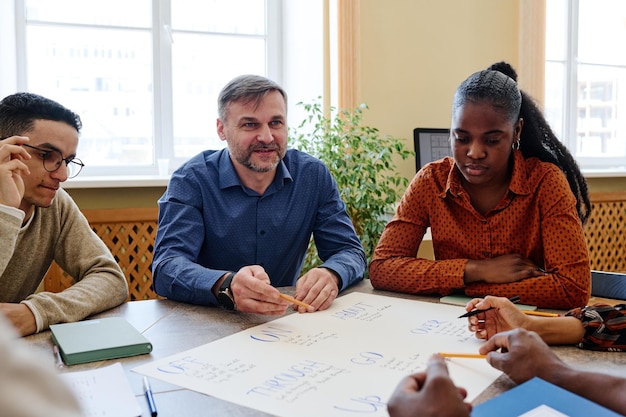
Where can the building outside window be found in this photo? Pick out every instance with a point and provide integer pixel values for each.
(586, 80)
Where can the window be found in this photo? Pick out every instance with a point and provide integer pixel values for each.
(143, 74)
(586, 79)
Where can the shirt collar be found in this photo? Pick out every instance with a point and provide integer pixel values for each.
(519, 181)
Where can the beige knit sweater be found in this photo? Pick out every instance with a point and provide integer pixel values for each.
(60, 233)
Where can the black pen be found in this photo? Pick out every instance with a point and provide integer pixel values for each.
(149, 397)
(514, 300)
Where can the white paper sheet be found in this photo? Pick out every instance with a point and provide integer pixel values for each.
(543, 411)
(103, 392)
(343, 361)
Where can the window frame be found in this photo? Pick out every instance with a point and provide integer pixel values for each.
(590, 166)
(162, 95)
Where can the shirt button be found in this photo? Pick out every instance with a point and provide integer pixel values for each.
(262, 232)
(486, 254)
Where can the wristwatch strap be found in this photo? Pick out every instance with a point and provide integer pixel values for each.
(224, 295)
(226, 283)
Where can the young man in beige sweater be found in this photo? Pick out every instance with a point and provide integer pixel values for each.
(39, 222)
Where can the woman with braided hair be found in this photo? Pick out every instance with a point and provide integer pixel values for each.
(505, 212)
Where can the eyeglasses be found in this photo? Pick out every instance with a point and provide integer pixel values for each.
(52, 160)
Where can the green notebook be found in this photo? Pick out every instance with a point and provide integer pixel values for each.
(98, 339)
(462, 300)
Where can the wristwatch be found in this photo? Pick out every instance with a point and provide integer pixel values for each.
(225, 295)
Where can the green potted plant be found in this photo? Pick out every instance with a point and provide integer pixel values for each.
(361, 160)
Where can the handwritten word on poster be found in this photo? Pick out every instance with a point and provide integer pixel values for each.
(344, 361)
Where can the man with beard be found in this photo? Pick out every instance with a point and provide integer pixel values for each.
(236, 223)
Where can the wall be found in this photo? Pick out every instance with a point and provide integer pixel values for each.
(601, 185)
(105, 198)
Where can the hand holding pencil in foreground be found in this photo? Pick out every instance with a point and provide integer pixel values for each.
(500, 315)
(429, 393)
(521, 355)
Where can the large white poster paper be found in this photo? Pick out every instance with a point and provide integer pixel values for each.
(340, 362)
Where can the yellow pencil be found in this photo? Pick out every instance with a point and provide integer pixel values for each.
(294, 301)
(540, 313)
(462, 355)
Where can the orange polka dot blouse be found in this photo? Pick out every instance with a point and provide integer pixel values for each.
(537, 219)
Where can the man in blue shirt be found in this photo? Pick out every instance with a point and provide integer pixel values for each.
(236, 223)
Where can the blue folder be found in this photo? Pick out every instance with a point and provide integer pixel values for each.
(608, 284)
(535, 393)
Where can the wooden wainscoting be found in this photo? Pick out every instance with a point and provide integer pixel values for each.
(605, 232)
(129, 234)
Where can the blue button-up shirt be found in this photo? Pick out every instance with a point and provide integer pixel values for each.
(210, 223)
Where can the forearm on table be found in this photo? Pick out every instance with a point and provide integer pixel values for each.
(106, 288)
(181, 280)
(473, 271)
(348, 268)
(417, 276)
(557, 330)
(553, 294)
(601, 388)
(91, 295)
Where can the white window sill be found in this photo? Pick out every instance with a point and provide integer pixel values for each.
(604, 173)
(141, 181)
(137, 181)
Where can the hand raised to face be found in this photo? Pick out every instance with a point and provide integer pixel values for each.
(12, 168)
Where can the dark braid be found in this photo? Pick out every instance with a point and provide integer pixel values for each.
(498, 86)
(538, 140)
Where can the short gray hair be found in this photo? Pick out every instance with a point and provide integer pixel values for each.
(246, 88)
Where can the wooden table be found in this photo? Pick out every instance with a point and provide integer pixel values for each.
(174, 327)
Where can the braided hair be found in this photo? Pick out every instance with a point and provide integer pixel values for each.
(498, 86)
